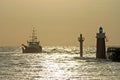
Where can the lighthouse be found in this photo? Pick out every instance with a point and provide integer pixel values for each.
(100, 46)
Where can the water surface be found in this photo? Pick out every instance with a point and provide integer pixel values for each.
(56, 63)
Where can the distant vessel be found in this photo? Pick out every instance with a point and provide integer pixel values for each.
(33, 46)
(113, 53)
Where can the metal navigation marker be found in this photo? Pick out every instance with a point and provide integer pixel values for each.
(81, 39)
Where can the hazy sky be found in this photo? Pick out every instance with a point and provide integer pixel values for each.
(58, 22)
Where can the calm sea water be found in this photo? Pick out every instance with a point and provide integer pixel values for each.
(55, 63)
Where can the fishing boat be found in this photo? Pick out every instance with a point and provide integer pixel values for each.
(33, 45)
(113, 53)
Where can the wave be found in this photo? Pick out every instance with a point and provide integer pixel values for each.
(54, 49)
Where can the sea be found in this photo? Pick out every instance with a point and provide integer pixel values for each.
(56, 63)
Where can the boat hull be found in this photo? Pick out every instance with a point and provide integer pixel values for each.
(32, 50)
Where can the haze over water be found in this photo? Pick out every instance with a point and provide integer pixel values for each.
(58, 22)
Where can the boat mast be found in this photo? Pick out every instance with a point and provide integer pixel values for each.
(34, 37)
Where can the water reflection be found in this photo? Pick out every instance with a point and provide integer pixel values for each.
(62, 65)
(56, 67)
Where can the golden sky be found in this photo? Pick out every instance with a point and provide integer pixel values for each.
(58, 22)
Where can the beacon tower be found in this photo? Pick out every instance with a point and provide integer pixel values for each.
(100, 46)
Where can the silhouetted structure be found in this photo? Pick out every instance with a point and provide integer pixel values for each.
(101, 49)
(113, 53)
(33, 45)
(81, 39)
